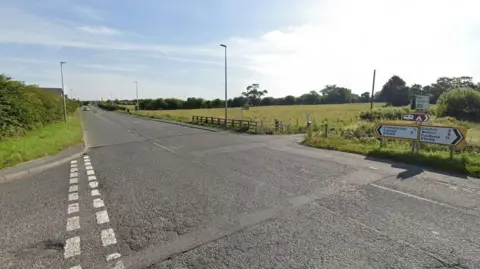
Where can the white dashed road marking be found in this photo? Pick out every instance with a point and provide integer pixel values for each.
(73, 208)
(93, 184)
(92, 178)
(76, 267)
(97, 203)
(73, 165)
(74, 169)
(410, 195)
(113, 256)
(102, 217)
(73, 196)
(88, 163)
(74, 174)
(90, 172)
(95, 192)
(72, 247)
(108, 237)
(165, 148)
(73, 162)
(88, 167)
(74, 180)
(73, 188)
(73, 223)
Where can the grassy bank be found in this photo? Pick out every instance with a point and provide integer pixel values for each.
(48, 140)
(432, 156)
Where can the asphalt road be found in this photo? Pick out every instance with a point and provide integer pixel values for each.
(156, 195)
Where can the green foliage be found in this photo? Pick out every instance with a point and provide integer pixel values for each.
(463, 104)
(253, 94)
(384, 113)
(26, 107)
(395, 92)
(109, 106)
(336, 95)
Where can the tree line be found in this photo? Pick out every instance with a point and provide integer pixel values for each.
(395, 92)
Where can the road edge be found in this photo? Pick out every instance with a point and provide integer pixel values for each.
(46, 166)
(177, 123)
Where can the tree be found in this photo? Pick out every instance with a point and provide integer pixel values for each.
(268, 101)
(254, 94)
(461, 103)
(289, 100)
(395, 92)
(310, 98)
(336, 95)
(365, 97)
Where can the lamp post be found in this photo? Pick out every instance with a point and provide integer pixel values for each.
(226, 105)
(136, 90)
(63, 93)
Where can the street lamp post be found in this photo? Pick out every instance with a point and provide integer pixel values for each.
(226, 105)
(63, 93)
(136, 90)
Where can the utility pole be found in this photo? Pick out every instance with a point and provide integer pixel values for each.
(63, 92)
(226, 104)
(136, 90)
(373, 90)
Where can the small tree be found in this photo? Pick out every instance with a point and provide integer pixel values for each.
(254, 94)
(395, 92)
(463, 104)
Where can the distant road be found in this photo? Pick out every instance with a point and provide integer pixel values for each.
(156, 195)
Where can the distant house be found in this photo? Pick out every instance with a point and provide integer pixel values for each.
(53, 90)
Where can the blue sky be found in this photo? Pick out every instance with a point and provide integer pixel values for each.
(289, 47)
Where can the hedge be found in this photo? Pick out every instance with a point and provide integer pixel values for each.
(27, 107)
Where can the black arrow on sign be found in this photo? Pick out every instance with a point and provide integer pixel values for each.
(378, 130)
(459, 136)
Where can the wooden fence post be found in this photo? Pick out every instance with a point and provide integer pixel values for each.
(326, 129)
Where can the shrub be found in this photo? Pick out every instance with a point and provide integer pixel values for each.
(27, 107)
(384, 113)
(463, 104)
(108, 106)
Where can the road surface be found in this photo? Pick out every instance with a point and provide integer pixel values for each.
(156, 195)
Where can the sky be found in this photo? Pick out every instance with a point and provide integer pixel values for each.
(172, 47)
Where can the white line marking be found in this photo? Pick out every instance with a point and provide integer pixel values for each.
(74, 174)
(73, 196)
(90, 172)
(88, 163)
(73, 165)
(102, 217)
(92, 178)
(93, 184)
(95, 192)
(73, 170)
(73, 208)
(76, 267)
(97, 202)
(117, 265)
(72, 247)
(73, 223)
(85, 157)
(73, 188)
(129, 131)
(108, 237)
(164, 148)
(73, 161)
(88, 167)
(113, 256)
(74, 180)
(410, 195)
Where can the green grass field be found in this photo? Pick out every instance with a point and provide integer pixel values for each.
(289, 114)
(40, 143)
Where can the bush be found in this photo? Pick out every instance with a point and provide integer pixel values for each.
(384, 113)
(463, 104)
(108, 106)
(27, 107)
(361, 130)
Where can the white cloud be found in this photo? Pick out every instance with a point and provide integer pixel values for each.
(99, 30)
(87, 12)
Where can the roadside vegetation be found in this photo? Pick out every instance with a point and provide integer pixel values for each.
(32, 123)
(344, 121)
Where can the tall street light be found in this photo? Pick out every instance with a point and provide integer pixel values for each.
(63, 92)
(226, 105)
(136, 90)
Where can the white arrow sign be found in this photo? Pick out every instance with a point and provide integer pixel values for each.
(441, 135)
(397, 131)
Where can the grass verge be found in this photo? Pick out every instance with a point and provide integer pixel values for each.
(42, 142)
(464, 163)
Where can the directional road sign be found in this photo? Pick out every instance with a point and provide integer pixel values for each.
(452, 136)
(397, 131)
(422, 102)
(418, 117)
